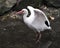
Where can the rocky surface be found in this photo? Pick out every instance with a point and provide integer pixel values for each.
(15, 34)
(7, 5)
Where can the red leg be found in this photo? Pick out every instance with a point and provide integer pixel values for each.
(38, 37)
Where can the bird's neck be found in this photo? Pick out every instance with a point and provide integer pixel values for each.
(25, 16)
(30, 18)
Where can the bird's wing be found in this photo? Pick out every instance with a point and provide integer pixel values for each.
(40, 20)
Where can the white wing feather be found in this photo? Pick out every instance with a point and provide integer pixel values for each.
(39, 21)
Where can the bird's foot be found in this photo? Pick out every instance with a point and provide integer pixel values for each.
(37, 41)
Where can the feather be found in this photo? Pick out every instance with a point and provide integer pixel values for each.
(40, 20)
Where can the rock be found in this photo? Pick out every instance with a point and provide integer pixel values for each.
(25, 3)
(6, 5)
(54, 3)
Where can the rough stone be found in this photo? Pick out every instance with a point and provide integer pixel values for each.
(54, 3)
(5, 5)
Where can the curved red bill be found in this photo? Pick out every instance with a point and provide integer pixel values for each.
(20, 12)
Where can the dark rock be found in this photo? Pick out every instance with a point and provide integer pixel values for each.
(52, 3)
(25, 3)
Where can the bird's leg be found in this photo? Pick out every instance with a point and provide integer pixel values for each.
(38, 36)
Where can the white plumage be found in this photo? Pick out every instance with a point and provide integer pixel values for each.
(37, 20)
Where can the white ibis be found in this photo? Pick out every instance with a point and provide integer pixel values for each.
(36, 20)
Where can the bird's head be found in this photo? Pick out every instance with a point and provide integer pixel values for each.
(22, 12)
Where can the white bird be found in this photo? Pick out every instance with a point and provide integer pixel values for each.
(36, 20)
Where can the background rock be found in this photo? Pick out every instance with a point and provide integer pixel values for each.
(6, 5)
(54, 3)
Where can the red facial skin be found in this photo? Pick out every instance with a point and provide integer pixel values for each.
(20, 12)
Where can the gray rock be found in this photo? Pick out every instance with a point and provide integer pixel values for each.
(5, 5)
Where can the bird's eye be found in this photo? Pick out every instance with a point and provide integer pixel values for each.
(46, 22)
